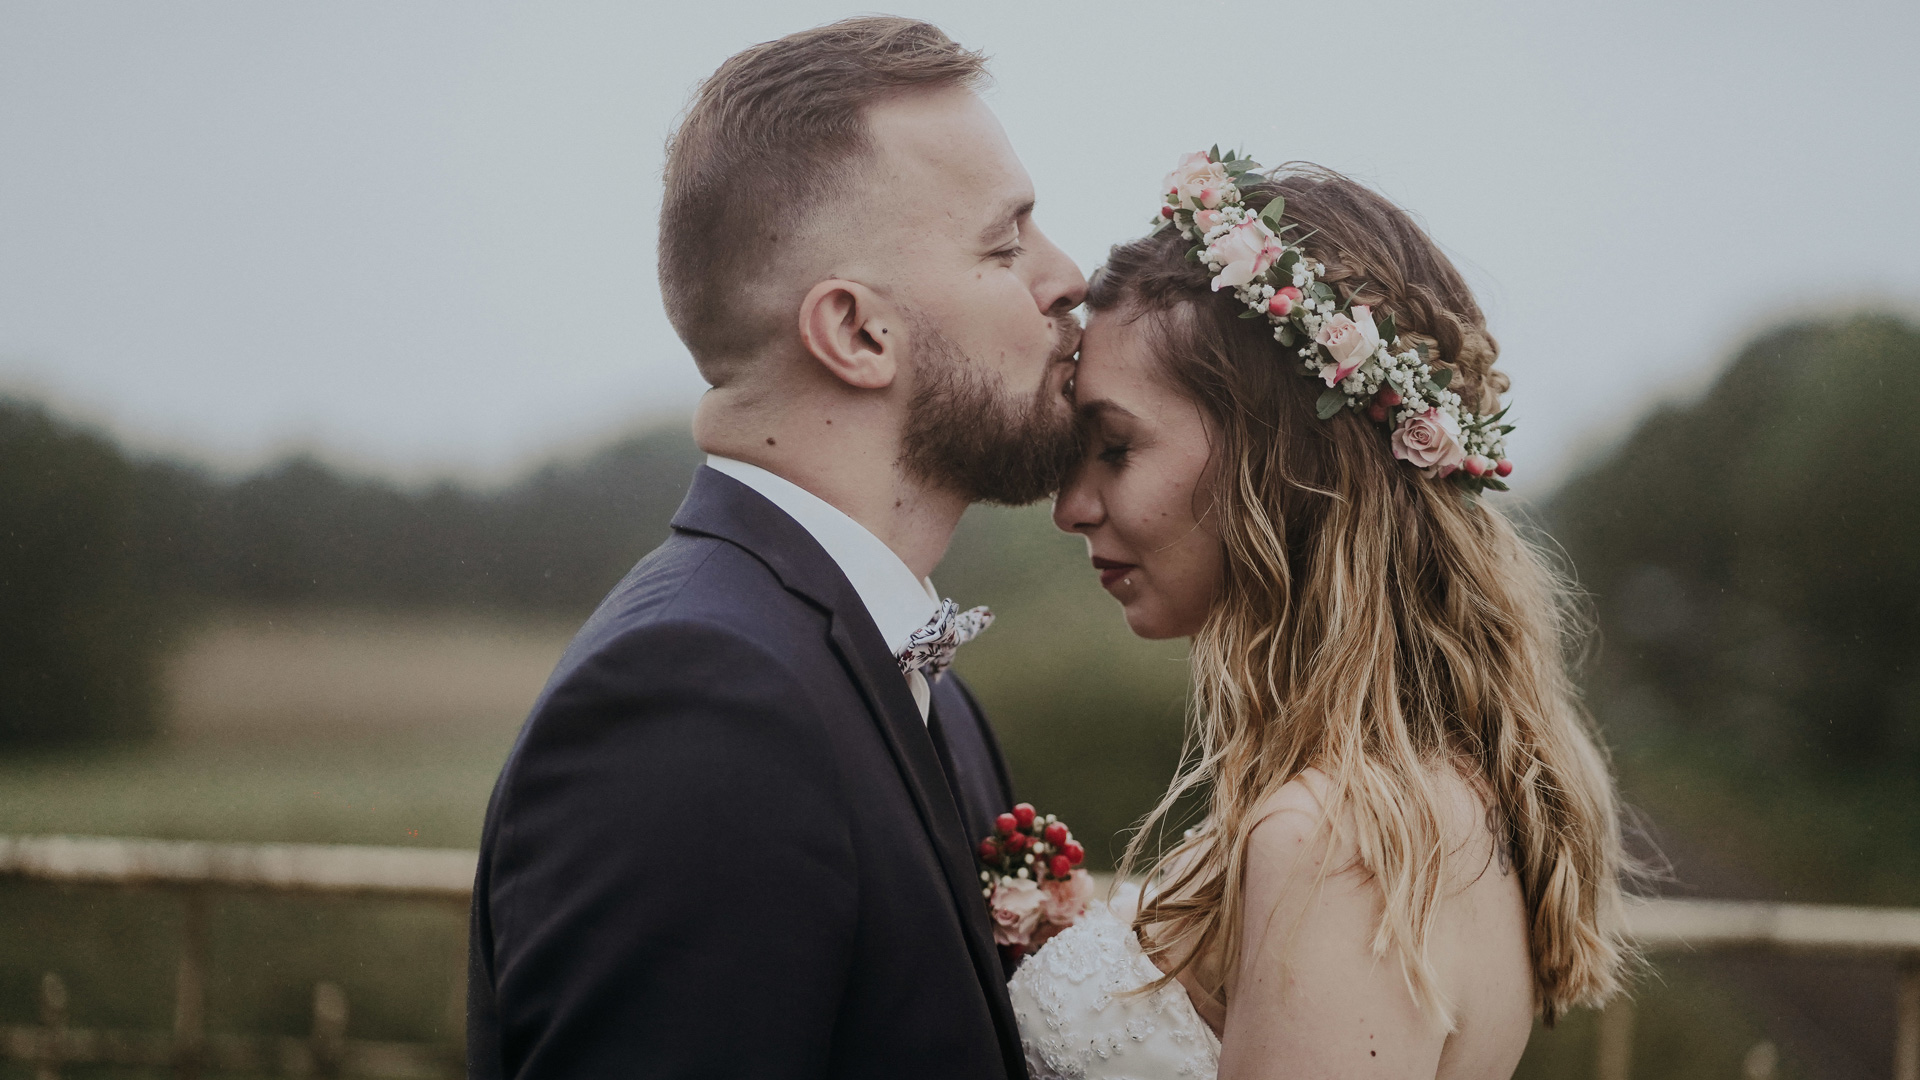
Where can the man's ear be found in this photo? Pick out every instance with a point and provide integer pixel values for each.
(852, 332)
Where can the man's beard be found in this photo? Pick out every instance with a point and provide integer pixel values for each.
(966, 435)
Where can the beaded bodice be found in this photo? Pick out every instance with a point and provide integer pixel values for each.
(1078, 1020)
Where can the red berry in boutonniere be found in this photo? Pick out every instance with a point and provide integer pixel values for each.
(1060, 865)
(1006, 824)
(1017, 843)
(1023, 814)
(989, 851)
(1074, 852)
(1056, 834)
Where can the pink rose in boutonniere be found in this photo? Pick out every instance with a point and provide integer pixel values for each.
(1066, 898)
(1430, 440)
(1349, 341)
(1016, 905)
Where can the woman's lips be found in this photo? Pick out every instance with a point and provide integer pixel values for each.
(1111, 571)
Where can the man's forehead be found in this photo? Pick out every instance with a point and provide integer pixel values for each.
(950, 145)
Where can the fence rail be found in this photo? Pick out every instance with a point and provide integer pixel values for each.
(196, 870)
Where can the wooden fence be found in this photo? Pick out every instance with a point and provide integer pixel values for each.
(194, 871)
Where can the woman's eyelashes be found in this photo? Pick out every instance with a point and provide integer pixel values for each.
(1114, 453)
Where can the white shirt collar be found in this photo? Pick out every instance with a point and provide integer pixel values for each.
(899, 602)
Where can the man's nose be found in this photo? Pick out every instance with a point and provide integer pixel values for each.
(1059, 286)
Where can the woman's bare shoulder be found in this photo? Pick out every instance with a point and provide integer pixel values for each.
(1291, 827)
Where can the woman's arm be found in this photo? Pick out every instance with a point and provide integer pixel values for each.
(1310, 1000)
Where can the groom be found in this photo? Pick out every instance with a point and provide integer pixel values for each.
(735, 836)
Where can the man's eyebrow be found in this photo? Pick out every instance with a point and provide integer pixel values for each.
(997, 231)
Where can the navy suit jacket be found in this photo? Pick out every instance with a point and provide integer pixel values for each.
(725, 844)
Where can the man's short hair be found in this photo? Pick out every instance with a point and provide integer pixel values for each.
(776, 133)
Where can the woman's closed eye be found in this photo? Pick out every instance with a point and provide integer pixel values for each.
(1114, 453)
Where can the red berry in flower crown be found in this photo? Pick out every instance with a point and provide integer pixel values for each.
(1075, 854)
(1505, 468)
(1006, 824)
(1023, 813)
(1056, 834)
(1060, 865)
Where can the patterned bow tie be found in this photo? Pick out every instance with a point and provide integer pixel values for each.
(930, 650)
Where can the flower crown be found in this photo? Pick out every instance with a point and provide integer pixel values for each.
(1358, 354)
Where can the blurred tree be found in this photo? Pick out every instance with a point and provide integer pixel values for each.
(301, 533)
(1755, 555)
(79, 640)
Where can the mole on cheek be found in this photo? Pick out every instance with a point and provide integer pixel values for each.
(769, 440)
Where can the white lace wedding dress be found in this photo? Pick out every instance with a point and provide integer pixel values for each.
(1078, 1021)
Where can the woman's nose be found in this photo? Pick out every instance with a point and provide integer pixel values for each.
(1077, 508)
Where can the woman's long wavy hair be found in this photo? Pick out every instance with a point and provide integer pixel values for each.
(1374, 624)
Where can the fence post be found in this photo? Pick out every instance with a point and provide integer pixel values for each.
(53, 1027)
(1613, 1051)
(329, 1029)
(1906, 1020)
(190, 988)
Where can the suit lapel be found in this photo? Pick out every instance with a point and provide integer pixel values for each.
(721, 506)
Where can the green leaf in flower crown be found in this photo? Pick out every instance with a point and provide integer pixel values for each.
(1272, 212)
(1497, 485)
(1286, 334)
(1389, 333)
(1432, 388)
(1214, 154)
(1443, 378)
(1250, 314)
(1287, 261)
(1332, 400)
(1322, 291)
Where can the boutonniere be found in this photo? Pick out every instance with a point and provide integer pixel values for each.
(1031, 878)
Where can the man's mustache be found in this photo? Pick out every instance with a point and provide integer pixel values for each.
(1067, 328)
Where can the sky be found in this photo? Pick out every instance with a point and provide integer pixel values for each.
(417, 238)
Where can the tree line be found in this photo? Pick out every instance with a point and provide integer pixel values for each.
(1752, 556)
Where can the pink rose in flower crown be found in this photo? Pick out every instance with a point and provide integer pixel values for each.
(1016, 907)
(1349, 341)
(1198, 183)
(1208, 220)
(1244, 253)
(1430, 440)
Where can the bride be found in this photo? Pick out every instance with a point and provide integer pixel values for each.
(1410, 844)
